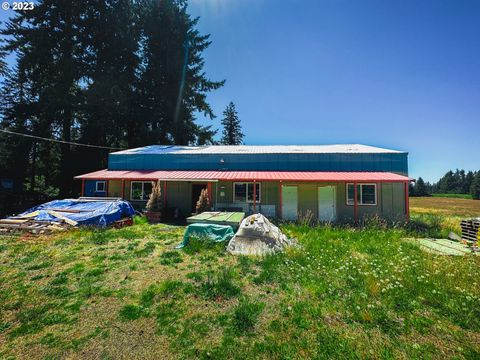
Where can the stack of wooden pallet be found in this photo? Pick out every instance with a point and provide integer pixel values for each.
(31, 225)
(470, 232)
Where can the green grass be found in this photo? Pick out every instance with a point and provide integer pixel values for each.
(245, 315)
(454, 196)
(343, 293)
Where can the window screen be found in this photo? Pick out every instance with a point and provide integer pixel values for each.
(243, 192)
(366, 194)
(141, 190)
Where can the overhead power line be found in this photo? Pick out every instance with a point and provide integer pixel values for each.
(59, 141)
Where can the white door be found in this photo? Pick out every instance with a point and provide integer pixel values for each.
(289, 202)
(326, 203)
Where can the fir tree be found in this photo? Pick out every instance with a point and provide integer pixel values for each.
(50, 60)
(232, 129)
(420, 188)
(116, 73)
(468, 182)
(475, 187)
(172, 85)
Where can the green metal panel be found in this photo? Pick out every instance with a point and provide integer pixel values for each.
(126, 195)
(115, 188)
(307, 199)
(344, 211)
(179, 195)
(224, 192)
(399, 201)
(270, 195)
(387, 201)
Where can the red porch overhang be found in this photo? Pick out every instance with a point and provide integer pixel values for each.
(199, 175)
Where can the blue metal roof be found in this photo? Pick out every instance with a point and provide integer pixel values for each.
(261, 158)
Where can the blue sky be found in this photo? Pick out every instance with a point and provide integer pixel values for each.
(398, 74)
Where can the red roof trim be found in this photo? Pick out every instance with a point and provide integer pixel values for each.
(189, 175)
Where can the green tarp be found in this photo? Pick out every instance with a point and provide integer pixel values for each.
(212, 232)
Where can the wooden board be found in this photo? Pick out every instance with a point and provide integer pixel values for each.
(445, 247)
(222, 218)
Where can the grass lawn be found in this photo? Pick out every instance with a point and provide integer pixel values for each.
(344, 293)
(459, 196)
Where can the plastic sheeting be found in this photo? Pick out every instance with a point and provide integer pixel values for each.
(94, 213)
(258, 236)
(212, 232)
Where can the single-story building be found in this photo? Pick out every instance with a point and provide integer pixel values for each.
(333, 182)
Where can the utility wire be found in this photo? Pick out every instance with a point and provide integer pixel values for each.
(59, 141)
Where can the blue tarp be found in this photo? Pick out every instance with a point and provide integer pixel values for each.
(95, 213)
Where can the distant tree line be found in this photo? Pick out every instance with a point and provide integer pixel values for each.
(453, 182)
(116, 73)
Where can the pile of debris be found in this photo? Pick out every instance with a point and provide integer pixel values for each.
(258, 236)
(470, 232)
(60, 215)
(32, 225)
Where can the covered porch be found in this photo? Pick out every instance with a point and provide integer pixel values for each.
(329, 196)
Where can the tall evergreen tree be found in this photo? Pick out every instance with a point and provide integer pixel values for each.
(420, 188)
(110, 36)
(475, 187)
(172, 85)
(232, 129)
(50, 58)
(15, 101)
(120, 73)
(467, 182)
(447, 183)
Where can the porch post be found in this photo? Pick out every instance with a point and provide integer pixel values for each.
(407, 205)
(209, 191)
(355, 203)
(83, 187)
(106, 187)
(280, 197)
(164, 195)
(254, 196)
(123, 188)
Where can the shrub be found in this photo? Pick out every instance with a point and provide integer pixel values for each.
(246, 314)
(306, 218)
(155, 201)
(203, 203)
